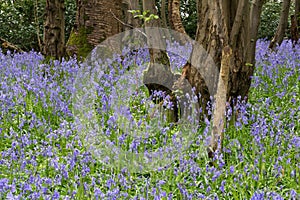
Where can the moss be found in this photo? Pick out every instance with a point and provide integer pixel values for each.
(78, 43)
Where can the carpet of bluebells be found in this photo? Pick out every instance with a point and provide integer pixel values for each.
(42, 156)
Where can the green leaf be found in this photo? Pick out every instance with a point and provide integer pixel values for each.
(134, 11)
(249, 64)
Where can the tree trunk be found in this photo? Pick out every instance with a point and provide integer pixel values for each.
(95, 22)
(54, 29)
(297, 14)
(158, 76)
(295, 23)
(255, 12)
(130, 21)
(129, 17)
(227, 30)
(163, 14)
(294, 30)
(283, 22)
(174, 16)
(175, 20)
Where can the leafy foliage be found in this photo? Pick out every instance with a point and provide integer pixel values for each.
(22, 21)
(269, 19)
(18, 23)
(188, 11)
(145, 15)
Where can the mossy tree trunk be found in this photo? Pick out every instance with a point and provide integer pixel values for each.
(95, 22)
(54, 29)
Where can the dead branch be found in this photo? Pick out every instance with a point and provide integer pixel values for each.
(7, 45)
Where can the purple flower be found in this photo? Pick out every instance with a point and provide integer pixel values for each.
(222, 186)
(55, 195)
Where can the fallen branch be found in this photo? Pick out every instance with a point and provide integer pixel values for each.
(7, 45)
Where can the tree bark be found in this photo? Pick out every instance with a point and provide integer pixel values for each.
(175, 20)
(283, 22)
(130, 21)
(95, 22)
(294, 30)
(158, 76)
(54, 29)
(227, 30)
(163, 13)
(240, 32)
(254, 21)
(174, 16)
(129, 17)
(297, 14)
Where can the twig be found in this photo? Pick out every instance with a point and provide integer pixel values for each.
(128, 25)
